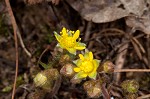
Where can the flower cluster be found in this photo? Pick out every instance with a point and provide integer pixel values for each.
(68, 40)
(86, 66)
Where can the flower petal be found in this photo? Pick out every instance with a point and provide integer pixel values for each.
(86, 55)
(64, 32)
(76, 35)
(81, 74)
(96, 63)
(80, 46)
(81, 56)
(72, 50)
(93, 75)
(91, 55)
(77, 69)
(61, 45)
(58, 37)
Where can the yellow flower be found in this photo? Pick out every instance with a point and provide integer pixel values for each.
(86, 66)
(67, 40)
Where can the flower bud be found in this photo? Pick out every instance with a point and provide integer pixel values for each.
(64, 58)
(46, 78)
(38, 94)
(75, 80)
(93, 88)
(130, 86)
(131, 96)
(108, 67)
(67, 70)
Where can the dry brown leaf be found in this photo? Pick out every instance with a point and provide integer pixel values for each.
(99, 11)
(56, 2)
(142, 24)
(136, 7)
(109, 14)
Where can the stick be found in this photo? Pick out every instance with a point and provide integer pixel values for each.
(16, 43)
(132, 70)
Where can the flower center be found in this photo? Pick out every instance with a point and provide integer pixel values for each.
(87, 66)
(68, 42)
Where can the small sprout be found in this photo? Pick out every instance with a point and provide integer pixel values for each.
(46, 78)
(130, 86)
(67, 40)
(20, 81)
(93, 88)
(86, 66)
(7, 88)
(108, 67)
(67, 70)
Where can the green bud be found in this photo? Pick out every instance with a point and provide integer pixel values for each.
(93, 88)
(40, 79)
(108, 67)
(131, 96)
(64, 58)
(38, 94)
(67, 70)
(46, 78)
(75, 80)
(130, 86)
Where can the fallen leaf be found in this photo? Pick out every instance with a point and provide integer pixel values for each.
(136, 7)
(142, 24)
(99, 11)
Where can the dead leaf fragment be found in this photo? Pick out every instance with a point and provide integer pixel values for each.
(99, 11)
(141, 24)
(109, 14)
(136, 7)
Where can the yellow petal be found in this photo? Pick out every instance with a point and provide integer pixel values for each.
(77, 69)
(72, 50)
(81, 74)
(58, 37)
(76, 35)
(81, 56)
(91, 55)
(61, 45)
(96, 63)
(93, 75)
(64, 32)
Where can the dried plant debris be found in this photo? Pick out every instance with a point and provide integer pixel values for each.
(56, 2)
(33, 1)
(135, 12)
(141, 24)
(136, 7)
(98, 11)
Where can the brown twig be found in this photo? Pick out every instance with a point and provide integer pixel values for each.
(120, 60)
(144, 97)
(18, 32)
(16, 43)
(131, 70)
(87, 32)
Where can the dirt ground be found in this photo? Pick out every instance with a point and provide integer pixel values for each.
(114, 30)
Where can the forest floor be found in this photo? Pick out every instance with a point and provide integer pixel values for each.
(114, 30)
